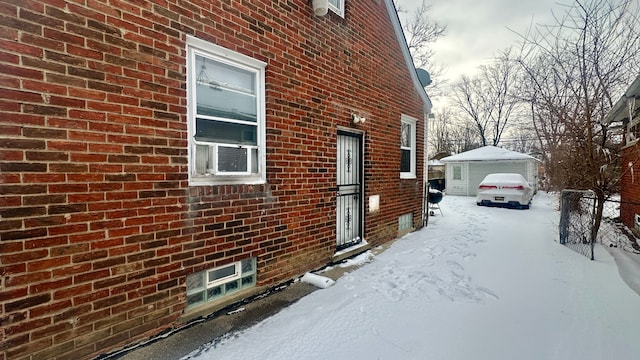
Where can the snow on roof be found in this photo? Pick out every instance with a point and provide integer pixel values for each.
(621, 108)
(435, 163)
(487, 153)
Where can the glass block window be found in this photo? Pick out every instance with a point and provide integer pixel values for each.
(213, 284)
(226, 113)
(405, 222)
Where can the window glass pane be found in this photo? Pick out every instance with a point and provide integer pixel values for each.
(225, 91)
(335, 3)
(220, 273)
(223, 103)
(254, 161)
(203, 159)
(405, 135)
(457, 173)
(226, 133)
(405, 161)
(226, 76)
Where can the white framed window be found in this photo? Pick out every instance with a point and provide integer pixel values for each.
(226, 115)
(633, 132)
(214, 284)
(337, 6)
(457, 172)
(407, 147)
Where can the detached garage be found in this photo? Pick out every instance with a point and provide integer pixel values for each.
(466, 170)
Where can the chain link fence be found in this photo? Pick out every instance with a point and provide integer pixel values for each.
(577, 220)
(577, 217)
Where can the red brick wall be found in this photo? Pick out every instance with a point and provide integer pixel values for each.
(99, 226)
(630, 186)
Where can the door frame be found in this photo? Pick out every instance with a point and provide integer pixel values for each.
(359, 135)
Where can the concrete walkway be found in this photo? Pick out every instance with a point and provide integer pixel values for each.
(180, 343)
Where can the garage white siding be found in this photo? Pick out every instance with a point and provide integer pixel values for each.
(457, 186)
(478, 163)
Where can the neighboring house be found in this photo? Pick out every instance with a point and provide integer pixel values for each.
(161, 160)
(465, 171)
(627, 112)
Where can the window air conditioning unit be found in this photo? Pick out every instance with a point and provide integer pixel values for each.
(222, 159)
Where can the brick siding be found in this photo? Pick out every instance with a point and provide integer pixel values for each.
(99, 227)
(630, 187)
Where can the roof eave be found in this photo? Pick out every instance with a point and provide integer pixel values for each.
(620, 110)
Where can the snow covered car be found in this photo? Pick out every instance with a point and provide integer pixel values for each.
(511, 190)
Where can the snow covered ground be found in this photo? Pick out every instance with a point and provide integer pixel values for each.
(477, 283)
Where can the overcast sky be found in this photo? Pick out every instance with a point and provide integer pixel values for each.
(477, 30)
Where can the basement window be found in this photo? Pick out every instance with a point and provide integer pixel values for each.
(216, 283)
(405, 222)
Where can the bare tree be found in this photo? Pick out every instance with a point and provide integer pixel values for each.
(464, 138)
(575, 68)
(487, 98)
(470, 97)
(448, 133)
(522, 143)
(440, 135)
(421, 31)
(522, 140)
